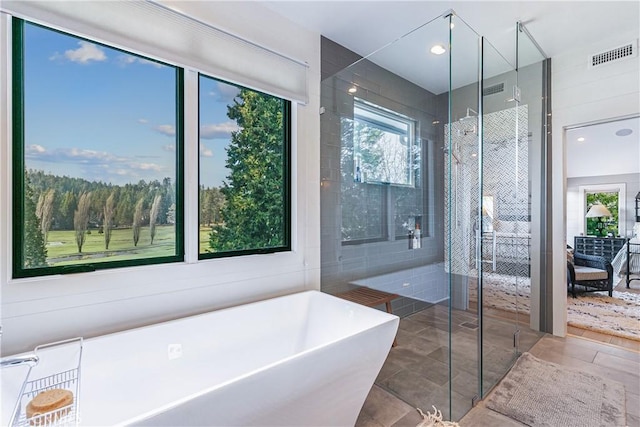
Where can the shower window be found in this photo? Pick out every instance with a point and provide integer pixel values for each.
(381, 195)
(383, 145)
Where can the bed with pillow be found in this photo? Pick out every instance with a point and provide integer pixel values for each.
(627, 260)
(508, 242)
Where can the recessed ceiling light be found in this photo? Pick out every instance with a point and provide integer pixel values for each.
(352, 89)
(624, 132)
(438, 49)
(581, 139)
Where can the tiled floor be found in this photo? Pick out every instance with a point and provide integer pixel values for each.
(605, 360)
(417, 370)
(420, 382)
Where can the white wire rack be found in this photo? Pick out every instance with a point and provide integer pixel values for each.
(40, 378)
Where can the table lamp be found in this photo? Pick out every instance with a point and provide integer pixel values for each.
(599, 210)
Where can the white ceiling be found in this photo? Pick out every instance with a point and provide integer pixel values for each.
(603, 152)
(367, 26)
(558, 26)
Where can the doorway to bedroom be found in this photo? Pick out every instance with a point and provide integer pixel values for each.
(601, 220)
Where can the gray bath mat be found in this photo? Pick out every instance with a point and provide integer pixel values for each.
(540, 393)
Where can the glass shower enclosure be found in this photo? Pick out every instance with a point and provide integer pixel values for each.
(426, 197)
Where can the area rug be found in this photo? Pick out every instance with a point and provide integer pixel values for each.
(597, 311)
(540, 393)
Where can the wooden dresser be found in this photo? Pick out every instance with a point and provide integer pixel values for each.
(606, 247)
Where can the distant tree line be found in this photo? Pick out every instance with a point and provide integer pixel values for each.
(55, 202)
(58, 198)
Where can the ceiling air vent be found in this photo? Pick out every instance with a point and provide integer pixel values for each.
(628, 50)
(493, 89)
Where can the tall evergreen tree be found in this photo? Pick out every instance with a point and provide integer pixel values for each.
(34, 251)
(253, 215)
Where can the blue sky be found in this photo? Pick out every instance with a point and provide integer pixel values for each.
(103, 115)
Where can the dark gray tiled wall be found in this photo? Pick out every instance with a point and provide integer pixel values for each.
(342, 264)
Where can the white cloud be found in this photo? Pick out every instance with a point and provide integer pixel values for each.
(225, 92)
(169, 147)
(149, 62)
(84, 54)
(146, 166)
(77, 155)
(168, 130)
(221, 130)
(35, 148)
(143, 121)
(124, 60)
(205, 152)
(90, 161)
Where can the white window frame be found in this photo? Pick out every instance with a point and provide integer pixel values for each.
(620, 188)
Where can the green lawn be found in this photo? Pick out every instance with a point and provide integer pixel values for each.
(204, 239)
(62, 248)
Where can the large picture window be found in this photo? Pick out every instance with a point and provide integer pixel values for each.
(97, 155)
(244, 170)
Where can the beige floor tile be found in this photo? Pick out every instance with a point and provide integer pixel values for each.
(630, 344)
(423, 344)
(616, 362)
(574, 331)
(384, 408)
(633, 404)
(596, 336)
(484, 417)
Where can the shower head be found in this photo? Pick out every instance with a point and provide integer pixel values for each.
(453, 154)
(469, 116)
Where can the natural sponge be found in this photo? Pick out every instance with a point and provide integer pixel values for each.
(46, 402)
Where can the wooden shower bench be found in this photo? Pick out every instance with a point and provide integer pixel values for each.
(370, 298)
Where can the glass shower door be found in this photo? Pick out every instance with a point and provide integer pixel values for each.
(462, 182)
(503, 195)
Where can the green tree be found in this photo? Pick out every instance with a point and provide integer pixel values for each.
(211, 203)
(137, 221)
(153, 215)
(171, 214)
(610, 224)
(81, 219)
(253, 214)
(44, 211)
(67, 208)
(107, 224)
(34, 251)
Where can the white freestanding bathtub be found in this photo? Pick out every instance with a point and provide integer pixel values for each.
(302, 359)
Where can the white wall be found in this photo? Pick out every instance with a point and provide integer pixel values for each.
(580, 96)
(45, 309)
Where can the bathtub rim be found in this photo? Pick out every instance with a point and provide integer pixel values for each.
(390, 318)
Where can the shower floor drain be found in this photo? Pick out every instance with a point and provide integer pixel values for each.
(469, 325)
